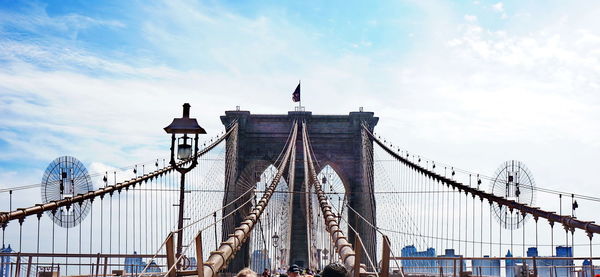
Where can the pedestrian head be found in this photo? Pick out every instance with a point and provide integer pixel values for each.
(334, 270)
(246, 272)
(294, 271)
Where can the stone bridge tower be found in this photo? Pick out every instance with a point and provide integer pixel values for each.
(337, 140)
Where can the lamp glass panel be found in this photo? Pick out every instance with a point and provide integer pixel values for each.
(184, 151)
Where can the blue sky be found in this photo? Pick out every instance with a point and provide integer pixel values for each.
(117, 28)
(130, 30)
(450, 80)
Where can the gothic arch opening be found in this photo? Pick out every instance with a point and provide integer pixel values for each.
(320, 244)
(269, 241)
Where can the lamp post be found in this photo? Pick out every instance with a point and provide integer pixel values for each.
(282, 256)
(319, 263)
(275, 241)
(180, 129)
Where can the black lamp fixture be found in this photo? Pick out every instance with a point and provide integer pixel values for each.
(181, 130)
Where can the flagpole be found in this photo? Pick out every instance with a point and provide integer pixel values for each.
(300, 102)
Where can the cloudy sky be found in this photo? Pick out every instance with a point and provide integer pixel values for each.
(469, 83)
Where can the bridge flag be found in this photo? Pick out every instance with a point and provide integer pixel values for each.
(296, 94)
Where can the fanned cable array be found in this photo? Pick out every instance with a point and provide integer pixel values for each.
(127, 222)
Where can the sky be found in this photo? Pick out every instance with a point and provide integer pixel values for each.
(467, 83)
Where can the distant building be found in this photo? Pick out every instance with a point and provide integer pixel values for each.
(260, 261)
(557, 268)
(511, 264)
(153, 267)
(532, 252)
(5, 261)
(418, 266)
(587, 269)
(134, 264)
(452, 267)
(193, 263)
(486, 267)
(549, 267)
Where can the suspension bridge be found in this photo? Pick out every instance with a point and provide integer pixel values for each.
(274, 190)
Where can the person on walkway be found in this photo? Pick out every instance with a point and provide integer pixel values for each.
(294, 271)
(246, 272)
(334, 270)
(266, 273)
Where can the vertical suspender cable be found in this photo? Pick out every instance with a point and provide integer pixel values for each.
(481, 229)
(500, 238)
(446, 212)
(453, 218)
(490, 229)
(67, 251)
(53, 233)
(80, 230)
(592, 273)
(133, 209)
(473, 225)
(438, 218)
(523, 240)
(140, 209)
(460, 218)
(126, 221)
(152, 224)
(146, 217)
(101, 223)
(536, 232)
(511, 233)
(39, 217)
(91, 230)
(21, 235)
(552, 240)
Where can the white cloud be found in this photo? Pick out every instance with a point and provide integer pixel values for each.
(201, 36)
(542, 77)
(470, 18)
(499, 7)
(38, 21)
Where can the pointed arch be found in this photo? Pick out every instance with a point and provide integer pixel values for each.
(273, 222)
(337, 192)
(333, 168)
